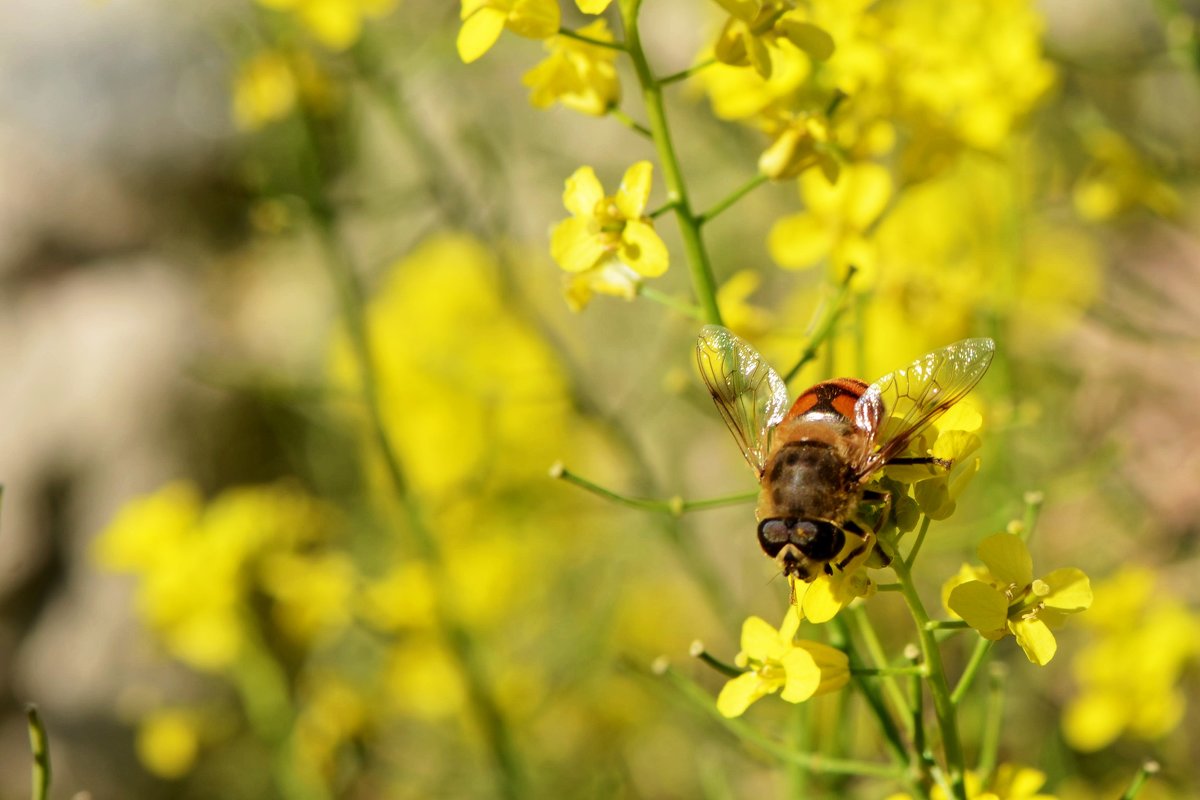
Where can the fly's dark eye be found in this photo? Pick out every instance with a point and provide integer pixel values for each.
(773, 534)
(819, 540)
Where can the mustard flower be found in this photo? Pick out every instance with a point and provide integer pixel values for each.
(336, 24)
(1006, 598)
(798, 142)
(776, 662)
(755, 27)
(483, 21)
(579, 75)
(826, 595)
(1010, 782)
(608, 244)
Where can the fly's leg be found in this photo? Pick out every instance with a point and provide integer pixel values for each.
(868, 537)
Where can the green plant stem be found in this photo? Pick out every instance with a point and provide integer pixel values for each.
(978, 656)
(675, 507)
(728, 670)
(839, 637)
(631, 123)
(917, 543)
(704, 284)
(823, 327)
(942, 705)
(993, 721)
(810, 761)
(946, 625)
(916, 691)
(1033, 509)
(579, 37)
(734, 196)
(682, 306)
(684, 74)
(1147, 769)
(39, 744)
(866, 632)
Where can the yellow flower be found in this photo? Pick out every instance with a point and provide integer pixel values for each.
(798, 142)
(336, 24)
(608, 244)
(742, 317)
(268, 87)
(837, 218)
(776, 662)
(826, 595)
(1008, 599)
(167, 742)
(1119, 179)
(579, 75)
(1129, 672)
(593, 6)
(1010, 782)
(483, 21)
(755, 27)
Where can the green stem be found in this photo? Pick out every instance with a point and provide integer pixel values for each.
(579, 37)
(684, 74)
(839, 637)
(978, 656)
(728, 670)
(1033, 509)
(916, 690)
(737, 194)
(810, 761)
(1135, 786)
(631, 123)
(675, 304)
(993, 720)
(920, 540)
(704, 284)
(946, 625)
(675, 507)
(823, 328)
(39, 744)
(918, 670)
(862, 625)
(942, 705)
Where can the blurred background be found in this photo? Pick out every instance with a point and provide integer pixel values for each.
(215, 583)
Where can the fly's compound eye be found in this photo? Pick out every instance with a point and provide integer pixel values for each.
(818, 539)
(773, 534)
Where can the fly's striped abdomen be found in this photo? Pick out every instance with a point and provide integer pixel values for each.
(836, 397)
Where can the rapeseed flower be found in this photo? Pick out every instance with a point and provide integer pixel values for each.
(484, 20)
(168, 742)
(1004, 597)
(1010, 782)
(1129, 671)
(336, 24)
(775, 662)
(756, 27)
(581, 76)
(609, 243)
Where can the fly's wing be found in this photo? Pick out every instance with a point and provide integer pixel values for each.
(749, 394)
(898, 407)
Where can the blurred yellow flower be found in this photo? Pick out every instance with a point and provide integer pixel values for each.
(579, 75)
(799, 142)
(168, 742)
(608, 244)
(1119, 179)
(484, 20)
(1130, 670)
(742, 317)
(755, 27)
(1010, 782)
(336, 24)
(776, 662)
(837, 218)
(593, 6)
(1008, 599)
(268, 87)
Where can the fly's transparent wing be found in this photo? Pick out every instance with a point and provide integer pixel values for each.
(898, 407)
(749, 394)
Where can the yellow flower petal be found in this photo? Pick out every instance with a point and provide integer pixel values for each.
(759, 55)
(635, 190)
(799, 240)
(761, 641)
(791, 624)
(808, 37)
(737, 695)
(478, 33)
(642, 250)
(1035, 639)
(583, 192)
(833, 663)
(1069, 590)
(981, 606)
(592, 6)
(1094, 720)
(534, 19)
(1008, 558)
(821, 601)
(334, 23)
(742, 9)
(803, 676)
(575, 246)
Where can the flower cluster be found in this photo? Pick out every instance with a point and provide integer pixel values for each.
(1003, 597)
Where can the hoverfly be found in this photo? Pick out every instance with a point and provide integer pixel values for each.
(815, 459)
